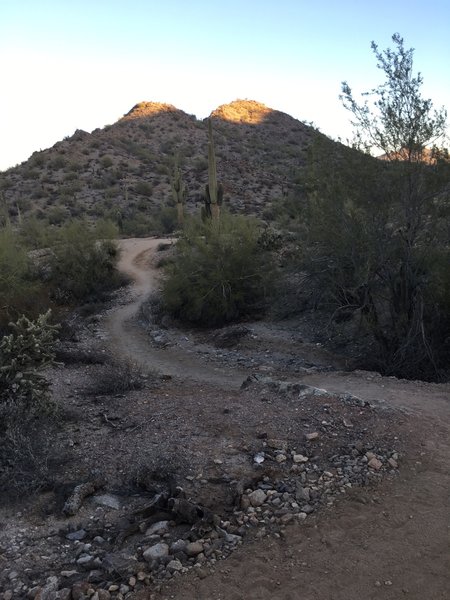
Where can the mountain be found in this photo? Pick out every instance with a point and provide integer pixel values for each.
(126, 167)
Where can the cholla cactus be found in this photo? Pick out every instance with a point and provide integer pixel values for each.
(23, 355)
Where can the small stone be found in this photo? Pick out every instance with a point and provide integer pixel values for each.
(312, 436)
(287, 518)
(178, 546)
(245, 502)
(277, 444)
(302, 494)
(107, 500)
(280, 458)
(301, 516)
(201, 572)
(388, 582)
(113, 588)
(132, 581)
(7, 595)
(194, 548)
(375, 463)
(299, 458)
(159, 528)
(79, 590)
(141, 575)
(370, 455)
(76, 535)
(174, 565)
(64, 594)
(103, 594)
(217, 461)
(68, 573)
(257, 497)
(393, 463)
(156, 552)
(99, 539)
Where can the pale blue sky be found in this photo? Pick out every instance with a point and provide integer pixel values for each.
(69, 64)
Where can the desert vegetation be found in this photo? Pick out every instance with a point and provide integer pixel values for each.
(373, 234)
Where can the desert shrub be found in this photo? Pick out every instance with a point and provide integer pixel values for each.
(82, 266)
(220, 273)
(117, 377)
(144, 188)
(26, 407)
(19, 287)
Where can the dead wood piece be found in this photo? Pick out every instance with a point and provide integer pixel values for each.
(80, 492)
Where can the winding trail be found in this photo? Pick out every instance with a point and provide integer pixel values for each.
(387, 544)
(128, 339)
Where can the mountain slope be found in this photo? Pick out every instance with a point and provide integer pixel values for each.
(124, 169)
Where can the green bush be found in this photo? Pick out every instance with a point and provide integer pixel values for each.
(82, 266)
(220, 273)
(20, 290)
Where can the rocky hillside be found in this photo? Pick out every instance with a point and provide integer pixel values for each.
(123, 170)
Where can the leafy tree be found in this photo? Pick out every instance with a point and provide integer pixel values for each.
(400, 122)
(376, 234)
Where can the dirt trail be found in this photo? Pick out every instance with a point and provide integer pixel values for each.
(129, 339)
(384, 544)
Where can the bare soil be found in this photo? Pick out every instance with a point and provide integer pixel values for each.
(388, 539)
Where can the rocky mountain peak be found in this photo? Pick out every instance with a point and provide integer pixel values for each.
(148, 109)
(243, 111)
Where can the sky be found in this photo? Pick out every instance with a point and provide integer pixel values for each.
(82, 64)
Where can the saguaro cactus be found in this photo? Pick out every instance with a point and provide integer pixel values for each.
(179, 192)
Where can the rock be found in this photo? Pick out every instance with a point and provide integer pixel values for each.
(85, 561)
(375, 463)
(160, 528)
(79, 590)
(307, 508)
(119, 563)
(201, 572)
(7, 595)
(194, 548)
(178, 546)
(257, 497)
(277, 444)
(99, 539)
(312, 436)
(68, 573)
(299, 458)
(302, 494)
(393, 463)
(156, 552)
(280, 458)
(174, 565)
(49, 591)
(259, 458)
(245, 502)
(107, 500)
(287, 518)
(103, 595)
(76, 535)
